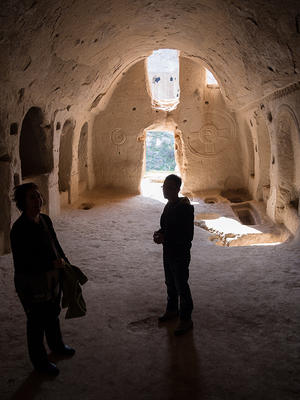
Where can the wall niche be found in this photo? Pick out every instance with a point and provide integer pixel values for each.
(35, 144)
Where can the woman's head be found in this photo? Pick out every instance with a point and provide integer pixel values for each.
(28, 198)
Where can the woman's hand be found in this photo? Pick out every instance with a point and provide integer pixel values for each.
(59, 263)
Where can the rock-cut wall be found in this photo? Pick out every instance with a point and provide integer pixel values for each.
(271, 129)
(207, 138)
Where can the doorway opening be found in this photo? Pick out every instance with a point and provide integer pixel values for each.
(82, 159)
(159, 162)
(65, 162)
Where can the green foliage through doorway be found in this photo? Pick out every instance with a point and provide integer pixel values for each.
(160, 151)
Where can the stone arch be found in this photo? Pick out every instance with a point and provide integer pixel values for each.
(263, 150)
(82, 158)
(65, 158)
(250, 150)
(288, 148)
(35, 144)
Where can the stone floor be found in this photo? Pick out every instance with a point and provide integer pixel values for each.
(246, 338)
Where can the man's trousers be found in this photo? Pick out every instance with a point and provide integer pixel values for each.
(176, 265)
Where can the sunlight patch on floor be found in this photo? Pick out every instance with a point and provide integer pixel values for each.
(153, 190)
(231, 232)
(228, 225)
(266, 244)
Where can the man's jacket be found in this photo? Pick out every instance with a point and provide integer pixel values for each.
(177, 223)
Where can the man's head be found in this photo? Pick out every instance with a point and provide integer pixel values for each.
(171, 187)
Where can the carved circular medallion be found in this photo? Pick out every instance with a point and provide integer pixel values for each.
(118, 137)
(214, 135)
(208, 134)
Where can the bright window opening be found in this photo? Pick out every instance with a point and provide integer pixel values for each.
(210, 79)
(163, 78)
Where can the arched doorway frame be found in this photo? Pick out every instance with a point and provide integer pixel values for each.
(287, 177)
(82, 157)
(65, 162)
(170, 126)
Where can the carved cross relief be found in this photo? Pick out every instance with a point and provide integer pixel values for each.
(213, 137)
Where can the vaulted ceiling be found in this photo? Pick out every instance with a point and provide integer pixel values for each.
(68, 53)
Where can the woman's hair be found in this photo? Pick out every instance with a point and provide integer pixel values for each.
(20, 192)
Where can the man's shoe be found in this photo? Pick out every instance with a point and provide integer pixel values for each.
(65, 350)
(183, 327)
(47, 367)
(168, 316)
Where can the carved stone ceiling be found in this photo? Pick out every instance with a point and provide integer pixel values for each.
(68, 52)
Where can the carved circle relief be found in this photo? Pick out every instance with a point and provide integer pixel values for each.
(214, 135)
(118, 137)
(208, 134)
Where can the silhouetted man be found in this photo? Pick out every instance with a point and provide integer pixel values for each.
(176, 235)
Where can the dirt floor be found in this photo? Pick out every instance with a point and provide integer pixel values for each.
(246, 338)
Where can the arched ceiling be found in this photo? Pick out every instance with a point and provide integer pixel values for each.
(69, 52)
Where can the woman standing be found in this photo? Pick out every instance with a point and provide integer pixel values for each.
(38, 260)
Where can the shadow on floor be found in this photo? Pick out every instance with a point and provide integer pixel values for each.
(183, 371)
(32, 385)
